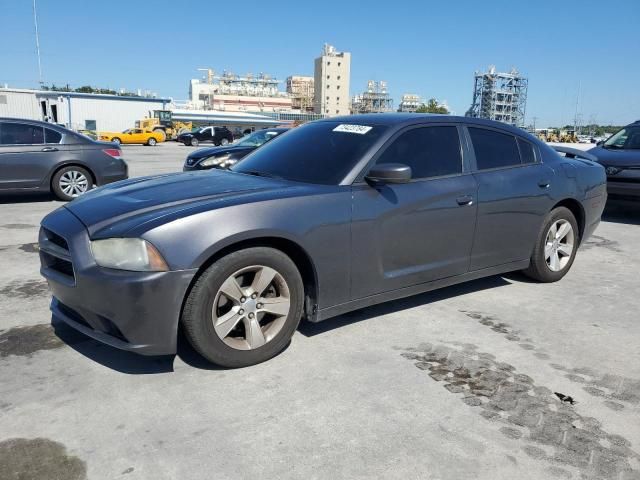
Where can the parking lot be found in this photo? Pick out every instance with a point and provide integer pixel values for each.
(497, 378)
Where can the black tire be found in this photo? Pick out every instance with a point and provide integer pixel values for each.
(152, 141)
(58, 189)
(116, 140)
(194, 142)
(197, 313)
(538, 268)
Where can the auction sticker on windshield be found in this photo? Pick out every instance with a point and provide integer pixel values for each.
(359, 129)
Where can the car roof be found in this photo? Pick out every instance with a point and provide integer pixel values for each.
(402, 119)
(53, 126)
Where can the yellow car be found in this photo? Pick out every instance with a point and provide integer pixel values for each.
(132, 135)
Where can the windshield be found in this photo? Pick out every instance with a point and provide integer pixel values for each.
(256, 139)
(321, 153)
(628, 137)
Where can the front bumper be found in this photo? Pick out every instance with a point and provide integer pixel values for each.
(134, 311)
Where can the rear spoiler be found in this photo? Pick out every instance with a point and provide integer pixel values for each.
(574, 153)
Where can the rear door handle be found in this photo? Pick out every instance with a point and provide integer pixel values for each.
(544, 183)
(465, 200)
(49, 149)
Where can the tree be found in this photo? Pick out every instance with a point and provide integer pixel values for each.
(432, 106)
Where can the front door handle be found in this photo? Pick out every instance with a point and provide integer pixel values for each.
(49, 149)
(465, 200)
(544, 183)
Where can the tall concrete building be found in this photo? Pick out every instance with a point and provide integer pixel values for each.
(331, 74)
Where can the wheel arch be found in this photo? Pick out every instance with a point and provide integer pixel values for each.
(293, 250)
(71, 163)
(577, 209)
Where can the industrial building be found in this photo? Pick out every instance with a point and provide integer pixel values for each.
(332, 71)
(78, 111)
(235, 93)
(375, 99)
(499, 96)
(300, 89)
(410, 102)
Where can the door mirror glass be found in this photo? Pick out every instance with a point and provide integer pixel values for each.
(389, 173)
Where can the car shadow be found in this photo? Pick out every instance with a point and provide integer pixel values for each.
(135, 364)
(118, 360)
(622, 211)
(32, 197)
(310, 329)
(128, 362)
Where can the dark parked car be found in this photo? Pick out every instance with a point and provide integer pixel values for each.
(336, 215)
(40, 156)
(224, 157)
(216, 135)
(620, 156)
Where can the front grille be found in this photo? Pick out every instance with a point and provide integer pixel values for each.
(55, 238)
(54, 253)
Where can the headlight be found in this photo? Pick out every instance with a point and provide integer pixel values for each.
(213, 161)
(128, 254)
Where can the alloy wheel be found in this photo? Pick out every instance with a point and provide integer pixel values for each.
(559, 245)
(73, 183)
(224, 141)
(251, 307)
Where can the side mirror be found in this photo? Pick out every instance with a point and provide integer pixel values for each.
(389, 173)
(600, 143)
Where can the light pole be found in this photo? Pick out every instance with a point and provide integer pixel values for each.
(35, 23)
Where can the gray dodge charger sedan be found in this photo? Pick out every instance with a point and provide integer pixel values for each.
(336, 215)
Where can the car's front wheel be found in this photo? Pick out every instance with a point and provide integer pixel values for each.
(194, 142)
(224, 142)
(152, 141)
(555, 247)
(245, 307)
(71, 182)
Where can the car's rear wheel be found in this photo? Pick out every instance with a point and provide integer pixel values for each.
(152, 141)
(224, 141)
(194, 142)
(71, 182)
(116, 140)
(245, 307)
(556, 246)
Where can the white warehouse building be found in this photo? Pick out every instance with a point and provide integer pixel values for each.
(78, 111)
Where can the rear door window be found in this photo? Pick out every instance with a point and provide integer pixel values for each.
(21, 134)
(51, 136)
(527, 152)
(494, 149)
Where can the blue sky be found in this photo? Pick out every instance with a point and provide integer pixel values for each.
(425, 47)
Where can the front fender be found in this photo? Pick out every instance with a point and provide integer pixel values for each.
(320, 225)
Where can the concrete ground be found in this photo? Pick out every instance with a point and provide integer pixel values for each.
(455, 384)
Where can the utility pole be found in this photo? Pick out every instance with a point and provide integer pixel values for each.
(35, 23)
(575, 119)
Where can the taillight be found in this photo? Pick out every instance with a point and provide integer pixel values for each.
(113, 152)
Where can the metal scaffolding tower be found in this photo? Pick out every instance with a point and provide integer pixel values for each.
(499, 96)
(375, 99)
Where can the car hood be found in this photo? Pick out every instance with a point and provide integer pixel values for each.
(211, 151)
(131, 202)
(616, 158)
